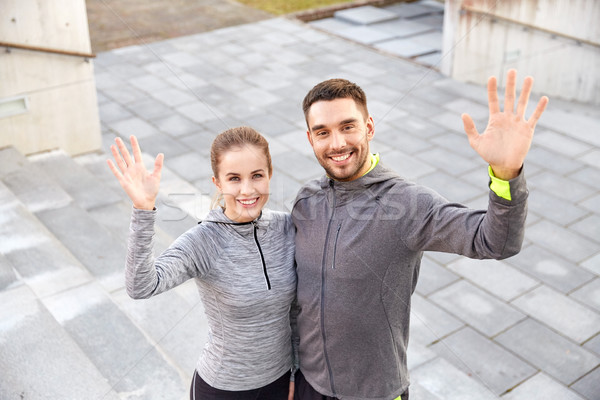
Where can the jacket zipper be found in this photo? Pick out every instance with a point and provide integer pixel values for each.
(323, 269)
(262, 257)
(337, 234)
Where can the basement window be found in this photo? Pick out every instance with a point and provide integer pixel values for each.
(13, 106)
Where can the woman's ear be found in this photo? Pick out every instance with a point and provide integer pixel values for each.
(217, 183)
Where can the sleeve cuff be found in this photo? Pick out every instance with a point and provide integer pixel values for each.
(499, 186)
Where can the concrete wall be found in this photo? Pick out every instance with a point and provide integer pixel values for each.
(555, 41)
(59, 90)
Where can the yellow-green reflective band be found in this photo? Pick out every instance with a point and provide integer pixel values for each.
(499, 186)
(398, 398)
(374, 162)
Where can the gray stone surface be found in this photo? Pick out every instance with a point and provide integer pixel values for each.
(77, 181)
(551, 269)
(438, 379)
(486, 361)
(477, 308)
(589, 385)
(562, 313)
(430, 323)
(39, 359)
(365, 15)
(493, 276)
(537, 311)
(547, 350)
(542, 386)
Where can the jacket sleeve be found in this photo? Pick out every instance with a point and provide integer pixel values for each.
(146, 275)
(497, 232)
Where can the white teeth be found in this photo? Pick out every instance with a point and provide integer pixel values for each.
(341, 158)
(248, 202)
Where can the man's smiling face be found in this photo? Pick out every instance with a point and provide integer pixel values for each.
(339, 133)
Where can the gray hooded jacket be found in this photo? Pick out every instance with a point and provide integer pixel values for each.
(358, 251)
(246, 278)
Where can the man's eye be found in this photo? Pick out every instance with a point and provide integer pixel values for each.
(348, 127)
(321, 133)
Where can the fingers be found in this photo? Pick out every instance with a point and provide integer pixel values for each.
(158, 164)
(124, 153)
(537, 113)
(135, 149)
(524, 96)
(510, 92)
(494, 106)
(114, 169)
(118, 159)
(470, 128)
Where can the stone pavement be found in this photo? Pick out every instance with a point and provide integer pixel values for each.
(519, 329)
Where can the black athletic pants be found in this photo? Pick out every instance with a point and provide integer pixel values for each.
(303, 390)
(277, 390)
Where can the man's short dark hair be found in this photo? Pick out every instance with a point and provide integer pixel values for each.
(332, 89)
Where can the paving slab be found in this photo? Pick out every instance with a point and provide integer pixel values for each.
(543, 348)
(401, 28)
(561, 143)
(541, 386)
(433, 276)
(589, 294)
(496, 277)
(477, 308)
(566, 243)
(589, 385)
(560, 211)
(565, 315)
(8, 278)
(486, 361)
(365, 15)
(405, 47)
(79, 183)
(551, 269)
(430, 323)
(178, 327)
(412, 9)
(441, 380)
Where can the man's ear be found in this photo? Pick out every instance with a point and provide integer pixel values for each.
(309, 136)
(370, 128)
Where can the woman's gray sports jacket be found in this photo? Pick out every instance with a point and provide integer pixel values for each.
(358, 251)
(246, 278)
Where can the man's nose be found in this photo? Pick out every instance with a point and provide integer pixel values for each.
(338, 140)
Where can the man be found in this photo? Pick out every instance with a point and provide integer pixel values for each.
(362, 230)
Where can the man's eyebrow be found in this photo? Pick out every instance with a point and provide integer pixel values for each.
(344, 122)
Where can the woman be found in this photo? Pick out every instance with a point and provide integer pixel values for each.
(242, 258)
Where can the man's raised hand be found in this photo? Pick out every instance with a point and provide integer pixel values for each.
(508, 135)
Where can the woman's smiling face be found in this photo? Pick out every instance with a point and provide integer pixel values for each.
(244, 182)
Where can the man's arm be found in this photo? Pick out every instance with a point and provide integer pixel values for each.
(508, 135)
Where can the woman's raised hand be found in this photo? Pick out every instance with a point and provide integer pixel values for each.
(140, 185)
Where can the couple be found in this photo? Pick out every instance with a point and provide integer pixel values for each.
(330, 319)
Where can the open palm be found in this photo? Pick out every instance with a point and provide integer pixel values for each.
(140, 185)
(508, 135)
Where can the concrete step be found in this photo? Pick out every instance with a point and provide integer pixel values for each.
(85, 189)
(73, 332)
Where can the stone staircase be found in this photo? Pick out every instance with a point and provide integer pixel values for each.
(68, 330)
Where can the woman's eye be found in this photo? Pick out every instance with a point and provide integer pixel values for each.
(257, 176)
(234, 179)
